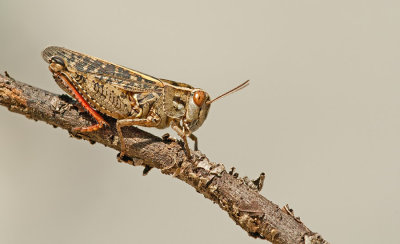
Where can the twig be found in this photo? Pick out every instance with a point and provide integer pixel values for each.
(239, 197)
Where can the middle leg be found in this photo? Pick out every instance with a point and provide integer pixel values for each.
(148, 122)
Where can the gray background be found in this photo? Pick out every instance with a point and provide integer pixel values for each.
(321, 117)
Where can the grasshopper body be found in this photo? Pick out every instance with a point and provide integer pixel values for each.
(131, 97)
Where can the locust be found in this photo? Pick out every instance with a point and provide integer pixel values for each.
(131, 97)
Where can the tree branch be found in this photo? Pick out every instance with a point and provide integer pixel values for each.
(239, 197)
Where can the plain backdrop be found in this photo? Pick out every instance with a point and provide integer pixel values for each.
(321, 118)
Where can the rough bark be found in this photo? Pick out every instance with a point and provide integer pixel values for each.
(238, 196)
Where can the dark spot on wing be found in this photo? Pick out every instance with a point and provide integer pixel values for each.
(109, 68)
(123, 73)
(80, 66)
(87, 60)
(94, 65)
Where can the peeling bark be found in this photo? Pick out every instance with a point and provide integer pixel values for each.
(238, 196)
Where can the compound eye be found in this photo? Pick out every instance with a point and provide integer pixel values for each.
(199, 98)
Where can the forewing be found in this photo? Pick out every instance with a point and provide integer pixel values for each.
(116, 75)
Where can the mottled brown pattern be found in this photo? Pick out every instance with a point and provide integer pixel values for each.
(117, 75)
(104, 85)
(132, 97)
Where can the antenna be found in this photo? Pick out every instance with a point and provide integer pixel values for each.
(239, 87)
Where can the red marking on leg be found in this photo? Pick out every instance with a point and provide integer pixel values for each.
(101, 122)
(89, 128)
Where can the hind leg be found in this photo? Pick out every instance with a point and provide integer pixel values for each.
(100, 121)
